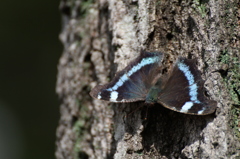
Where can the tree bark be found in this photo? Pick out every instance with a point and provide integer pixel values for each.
(101, 37)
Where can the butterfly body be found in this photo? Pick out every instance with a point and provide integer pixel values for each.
(181, 90)
(152, 96)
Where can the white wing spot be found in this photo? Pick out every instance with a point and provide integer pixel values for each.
(113, 96)
(99, 95)
(201, 111)
(186, 107)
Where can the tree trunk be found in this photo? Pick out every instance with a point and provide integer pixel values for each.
(101, 37)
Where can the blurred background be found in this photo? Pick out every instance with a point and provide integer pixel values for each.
(30, 50)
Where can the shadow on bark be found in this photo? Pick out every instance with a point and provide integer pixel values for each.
(168, 131)
(171, 131)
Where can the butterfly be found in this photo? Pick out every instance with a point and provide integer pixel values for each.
(181, 90)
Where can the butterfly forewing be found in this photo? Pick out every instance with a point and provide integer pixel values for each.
(183, 90)
(133, 82)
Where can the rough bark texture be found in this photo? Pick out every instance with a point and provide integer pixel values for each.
(101, 37)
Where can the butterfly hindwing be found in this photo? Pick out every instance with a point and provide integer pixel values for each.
(133, 82)
(183, 90)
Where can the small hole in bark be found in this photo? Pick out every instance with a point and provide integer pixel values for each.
(65, 10)
(82, 155)
(129, 151)
(215, 144)
(74, 119)
(223, 72)
(169, 36)
(206, 93)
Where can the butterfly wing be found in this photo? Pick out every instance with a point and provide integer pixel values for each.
(133, 82)
(183, 90)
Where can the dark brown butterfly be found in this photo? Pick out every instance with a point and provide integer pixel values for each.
(181, 91)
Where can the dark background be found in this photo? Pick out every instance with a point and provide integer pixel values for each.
(30, 50)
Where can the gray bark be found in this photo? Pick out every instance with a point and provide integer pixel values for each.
(101, 37)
